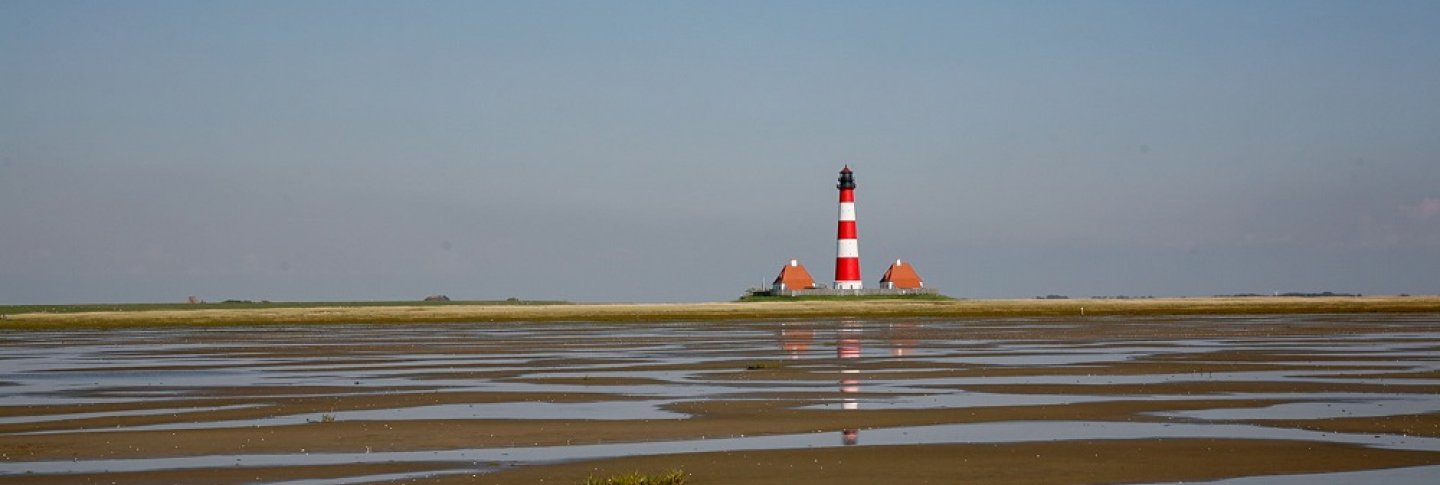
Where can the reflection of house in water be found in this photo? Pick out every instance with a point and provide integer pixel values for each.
(795, 340)
(902, 338)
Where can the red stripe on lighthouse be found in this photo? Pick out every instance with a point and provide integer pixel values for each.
(847, 230)
(847, 269)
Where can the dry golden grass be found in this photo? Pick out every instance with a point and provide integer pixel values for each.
(728, 311)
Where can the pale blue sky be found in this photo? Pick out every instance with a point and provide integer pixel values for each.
(678, 151)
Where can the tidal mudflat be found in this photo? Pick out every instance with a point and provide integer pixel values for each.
(1092, 399)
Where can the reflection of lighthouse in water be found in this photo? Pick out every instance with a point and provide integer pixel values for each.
(797, 338)
(848, 347)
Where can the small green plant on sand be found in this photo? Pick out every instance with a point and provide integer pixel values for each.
(763, 365)
(673, 477)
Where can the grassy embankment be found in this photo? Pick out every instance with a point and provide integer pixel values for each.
(930, 297)
(106, 316)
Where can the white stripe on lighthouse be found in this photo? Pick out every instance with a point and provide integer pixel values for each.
(847, 211)
(847, 248)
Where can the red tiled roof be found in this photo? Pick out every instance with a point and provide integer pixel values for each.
(901, 275)
(794, 277)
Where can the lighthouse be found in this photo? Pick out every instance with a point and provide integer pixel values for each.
(847, 246)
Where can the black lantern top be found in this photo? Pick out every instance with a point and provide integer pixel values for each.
(847, 180)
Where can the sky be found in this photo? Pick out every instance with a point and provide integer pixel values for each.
(685, 151)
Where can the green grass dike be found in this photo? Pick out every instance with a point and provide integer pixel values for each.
(921, 297)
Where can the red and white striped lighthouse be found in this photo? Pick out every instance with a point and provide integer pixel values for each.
(847, 247)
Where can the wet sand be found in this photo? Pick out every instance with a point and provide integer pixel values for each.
(1128, 461)
(1099, 399)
